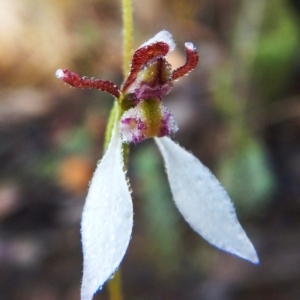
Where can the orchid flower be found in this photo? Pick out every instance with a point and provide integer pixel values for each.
(108, 215)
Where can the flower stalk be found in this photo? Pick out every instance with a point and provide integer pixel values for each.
(115, 284)
(127, 35)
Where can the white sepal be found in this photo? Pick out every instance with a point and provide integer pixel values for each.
(107, 220)
(203, 202)
(163, 36)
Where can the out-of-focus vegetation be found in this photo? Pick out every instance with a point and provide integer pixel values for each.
(238, 112)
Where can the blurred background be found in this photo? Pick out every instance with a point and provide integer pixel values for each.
(239, 112)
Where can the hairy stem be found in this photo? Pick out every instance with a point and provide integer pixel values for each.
(114, 285)
(127, 35)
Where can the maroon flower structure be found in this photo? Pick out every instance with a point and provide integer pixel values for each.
(151, 77)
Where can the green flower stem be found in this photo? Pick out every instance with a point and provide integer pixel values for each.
(114, 285)
(127, 54)
(110, 124)
(127, 35)
(127, 17)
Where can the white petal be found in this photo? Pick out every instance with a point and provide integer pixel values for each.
(163, 36)
(203, 202)
(106, 220)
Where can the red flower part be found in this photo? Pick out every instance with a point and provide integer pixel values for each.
(154, 80)
(192, 59)
(87, 83)
(141, 57)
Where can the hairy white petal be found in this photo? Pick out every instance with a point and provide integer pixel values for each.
(106, 220)
(163, 36)
(203, 202)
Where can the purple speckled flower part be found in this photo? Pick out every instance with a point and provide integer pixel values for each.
(132, 126)
(168, 124)
(144, 91)
(135, 126)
